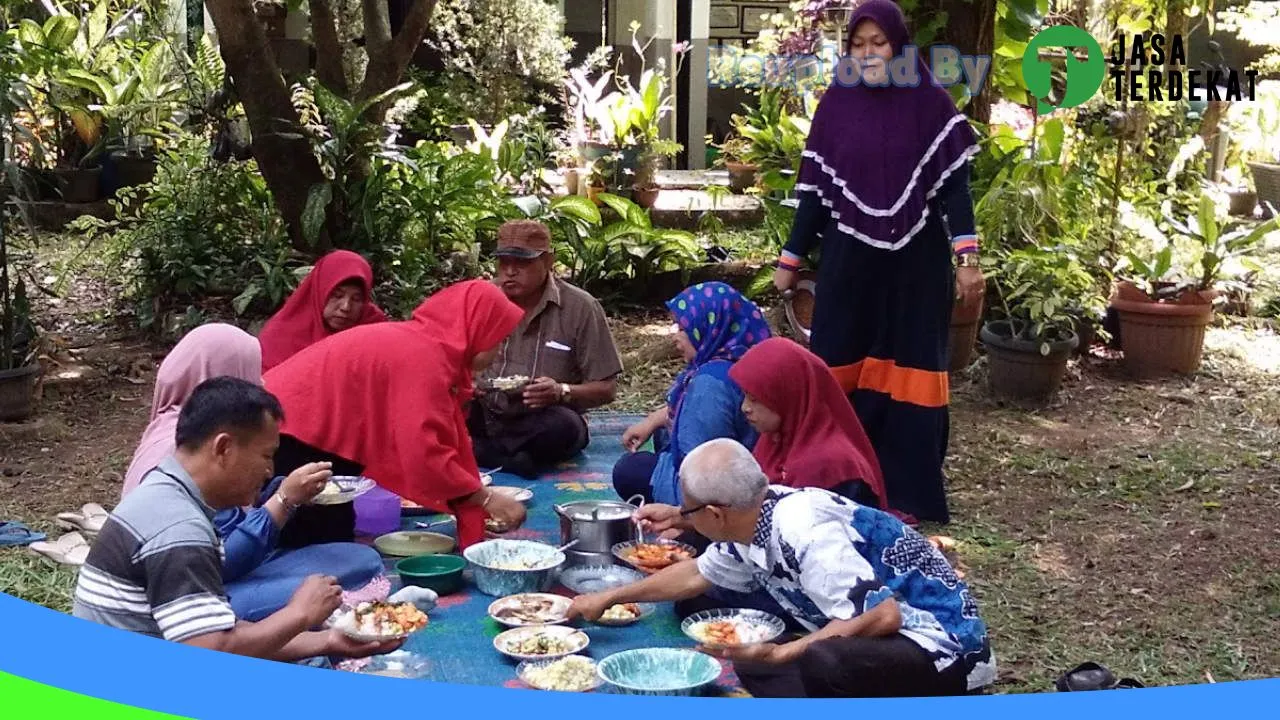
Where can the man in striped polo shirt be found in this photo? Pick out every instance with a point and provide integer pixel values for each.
(156, 567)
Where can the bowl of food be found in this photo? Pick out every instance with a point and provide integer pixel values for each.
(510, 384)
(530, 609)
(343, 489)
(584, 579)
(378, 621)
(511, 567)
(659, 671)
(541, 642)
(575, 673)
(399, 664)
(441, 573)
(650, 557)
(732, 628)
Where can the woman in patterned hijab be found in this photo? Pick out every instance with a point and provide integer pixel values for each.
(716, 325)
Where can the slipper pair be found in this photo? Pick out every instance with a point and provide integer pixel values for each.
(1092, 676)
(88, 521)
(15, 534)
(70, 549)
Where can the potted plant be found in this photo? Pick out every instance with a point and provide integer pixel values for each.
(1033, 334)
(1162, 317)
(742, 174)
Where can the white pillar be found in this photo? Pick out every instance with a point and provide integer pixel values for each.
(697, 59)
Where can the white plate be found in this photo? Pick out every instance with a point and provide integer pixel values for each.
(559, 606)
(343, 620)
(351, 487)
(517, 494)
(577, 641)
(760, 626)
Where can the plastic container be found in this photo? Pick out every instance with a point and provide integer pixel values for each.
(442, 573)
(377, 512)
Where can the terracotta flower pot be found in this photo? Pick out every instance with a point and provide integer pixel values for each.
(1019, 369)
(18, 392)
(593, 193)
(645, 197)
(741, 176)
(1161, 338)
(964, 335)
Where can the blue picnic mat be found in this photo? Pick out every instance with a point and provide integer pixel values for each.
(459, 640)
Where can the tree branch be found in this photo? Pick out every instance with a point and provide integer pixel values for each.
(377, 27)
(324, 30)
(387, 63)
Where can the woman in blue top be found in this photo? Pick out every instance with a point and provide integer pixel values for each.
(716, 327)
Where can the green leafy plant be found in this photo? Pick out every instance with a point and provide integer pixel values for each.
(775, 138)
(1221, 243)
(201, 234)
(1041, 291)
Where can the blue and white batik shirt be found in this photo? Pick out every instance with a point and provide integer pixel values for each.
(823, 557)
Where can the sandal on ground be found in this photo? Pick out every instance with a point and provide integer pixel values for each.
(89, 520)
(14, 533)
(70, 549)
(1089, 676)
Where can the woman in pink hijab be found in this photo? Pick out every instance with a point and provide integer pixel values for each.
(259, 578)
(209, 351)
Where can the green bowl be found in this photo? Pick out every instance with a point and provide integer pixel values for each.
(442, 573)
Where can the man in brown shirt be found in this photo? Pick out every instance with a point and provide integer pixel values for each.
(563, 346)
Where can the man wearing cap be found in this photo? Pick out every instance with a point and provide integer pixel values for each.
(563, 345)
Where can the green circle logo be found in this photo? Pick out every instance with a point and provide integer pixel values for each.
(1084, 77)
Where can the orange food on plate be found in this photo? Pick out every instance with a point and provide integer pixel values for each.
(722, 632)
(656, 555)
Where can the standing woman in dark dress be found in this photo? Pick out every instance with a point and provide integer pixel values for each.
(885, 184)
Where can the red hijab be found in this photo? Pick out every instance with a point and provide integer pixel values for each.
(300, 322)
(821, 442)
(389, 396)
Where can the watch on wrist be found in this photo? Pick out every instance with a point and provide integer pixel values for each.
(288, 507)
(566, 390)
(969, 259)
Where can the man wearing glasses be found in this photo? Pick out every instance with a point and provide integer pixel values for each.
(885, 614)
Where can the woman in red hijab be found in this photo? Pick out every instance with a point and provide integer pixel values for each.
(334, 296)
(385, 401)
(809, 433)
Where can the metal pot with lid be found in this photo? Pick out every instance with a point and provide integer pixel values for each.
(596, 525)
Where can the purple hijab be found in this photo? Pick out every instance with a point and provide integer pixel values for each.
(877, 155)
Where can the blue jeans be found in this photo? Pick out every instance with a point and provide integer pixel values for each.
(270, 586)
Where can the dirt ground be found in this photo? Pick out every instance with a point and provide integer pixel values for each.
(1132, 524)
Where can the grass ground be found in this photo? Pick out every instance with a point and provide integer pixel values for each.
(1130, 523)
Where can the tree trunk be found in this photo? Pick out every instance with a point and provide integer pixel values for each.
(283, 153)
(971, 29)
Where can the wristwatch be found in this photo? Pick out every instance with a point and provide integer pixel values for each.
(969, 259)
(565, 391)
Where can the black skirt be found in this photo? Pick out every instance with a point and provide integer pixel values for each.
(315, 524)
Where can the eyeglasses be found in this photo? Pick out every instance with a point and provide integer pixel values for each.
(692, 510)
